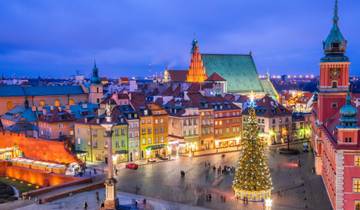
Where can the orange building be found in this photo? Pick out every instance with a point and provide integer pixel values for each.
(197, 72)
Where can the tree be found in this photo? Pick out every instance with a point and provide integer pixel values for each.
(252, 178)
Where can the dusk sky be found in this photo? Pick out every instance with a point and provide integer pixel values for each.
(141, 37)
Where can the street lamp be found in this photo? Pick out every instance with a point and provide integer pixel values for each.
(268, 204)
(111, 201)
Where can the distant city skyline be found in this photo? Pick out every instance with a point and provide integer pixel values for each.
(141, 38)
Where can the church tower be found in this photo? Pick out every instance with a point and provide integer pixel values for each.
(96, 88)
(334, 72)
(196, 71)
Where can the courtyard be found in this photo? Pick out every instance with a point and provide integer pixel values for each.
(293, 187)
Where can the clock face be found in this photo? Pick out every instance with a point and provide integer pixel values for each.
(334, 74)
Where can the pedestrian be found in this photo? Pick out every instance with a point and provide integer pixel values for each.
(85, 205)
(144, 202)
(214, 168)
(97, 197)
(137, 189)
(94, 171)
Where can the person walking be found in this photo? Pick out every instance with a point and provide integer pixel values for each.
(85, 205)
(97, 197)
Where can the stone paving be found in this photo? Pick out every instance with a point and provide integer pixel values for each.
(294, 187)
(77, 202)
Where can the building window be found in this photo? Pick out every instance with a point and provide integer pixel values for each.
(357, 205)
(144, 141)
(57, 103)
(149, 140)
(356, 185)
(71, 101)
(334, 105)
(334, 84)
(348, 139)
(357, 160)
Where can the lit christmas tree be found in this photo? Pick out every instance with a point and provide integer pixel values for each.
(252, 178)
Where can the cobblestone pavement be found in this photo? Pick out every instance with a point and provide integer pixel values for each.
(293, 187)
(77, 202)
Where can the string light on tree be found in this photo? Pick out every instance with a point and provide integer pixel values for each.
(252, 178)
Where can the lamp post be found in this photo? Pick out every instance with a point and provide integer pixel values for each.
(111, 201)
(268, 204)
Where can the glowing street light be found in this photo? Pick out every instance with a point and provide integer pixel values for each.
(268, 204)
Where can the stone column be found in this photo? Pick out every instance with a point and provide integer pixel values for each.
(111, 200)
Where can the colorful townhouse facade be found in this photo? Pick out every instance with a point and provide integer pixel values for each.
(153, 131)
(336, 130)
(184, 127)
(90, 141)
(275, 121)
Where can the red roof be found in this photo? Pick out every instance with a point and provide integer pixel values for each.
(215, 77)
(178, 75)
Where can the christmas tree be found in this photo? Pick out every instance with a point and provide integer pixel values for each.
(252, 178)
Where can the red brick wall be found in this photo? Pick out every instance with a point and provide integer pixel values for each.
(33, 176)
(38, 149)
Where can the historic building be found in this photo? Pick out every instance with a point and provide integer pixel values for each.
(197, 72)
(184, 126)
(55, 123)
(275, 121)
(14, 95)
(96, 91)
(335, 125)
(235, 73)
(90, 141)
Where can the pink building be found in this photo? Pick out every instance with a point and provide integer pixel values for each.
(335, 125)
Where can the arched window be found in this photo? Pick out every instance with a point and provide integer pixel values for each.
(57, 102)
(9, 105)
(71, 101)
(42, 103)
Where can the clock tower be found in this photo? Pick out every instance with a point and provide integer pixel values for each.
(334, 72)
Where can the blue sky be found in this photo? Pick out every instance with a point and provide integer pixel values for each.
(141, 37)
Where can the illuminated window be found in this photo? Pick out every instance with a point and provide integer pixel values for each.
(357, 160)
(71, 101)
(357, 205)
(9, 105)
(42, 103)
(57, 102)
(356, 185)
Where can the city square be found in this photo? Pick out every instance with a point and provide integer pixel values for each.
(257, 109)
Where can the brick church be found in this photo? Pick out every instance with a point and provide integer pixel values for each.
(336, 128)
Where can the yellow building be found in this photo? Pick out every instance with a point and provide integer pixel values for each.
(153, 131)
(90, 141)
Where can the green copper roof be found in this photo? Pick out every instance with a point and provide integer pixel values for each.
(269, 88)
(95, 79)
(348, 114)
(238, 70)
(335, 43)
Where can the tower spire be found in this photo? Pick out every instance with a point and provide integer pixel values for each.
(336, 13)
